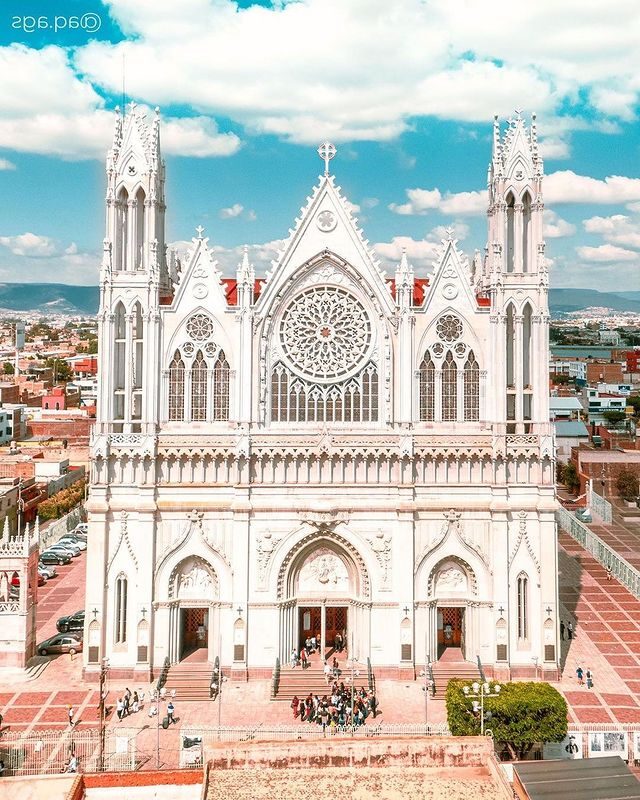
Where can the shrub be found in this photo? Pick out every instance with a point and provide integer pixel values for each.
(627, 485)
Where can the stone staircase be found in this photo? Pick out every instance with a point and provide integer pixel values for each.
(452, 665)
(300, 682)
(191, 682)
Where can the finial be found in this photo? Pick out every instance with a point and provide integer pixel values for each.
(157, 110)
(117, 109)
(199, 231)
(326, 151)
(450, 231)
(518, 113)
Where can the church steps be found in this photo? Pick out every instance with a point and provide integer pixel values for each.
(445, 671)
(190, 682)
(300, 682)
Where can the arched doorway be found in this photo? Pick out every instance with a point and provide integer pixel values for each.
(452, 584)
(324, 592)
(193, 595)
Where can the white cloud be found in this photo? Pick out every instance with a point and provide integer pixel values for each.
(460, 232)
(354, 208)
(421, 201)
(6, 164)
(30, 244)
(251, 215)
(617, 229)
(231, 212)
(370, 202)
(554, 227)
(606, 252)
(567, 187)
(420, 252)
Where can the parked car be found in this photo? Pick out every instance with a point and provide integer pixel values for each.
(72, 622)
(49, 571)
(61, 643)
(79, 543)
(51, 557)
(70, 549)
(82, 527)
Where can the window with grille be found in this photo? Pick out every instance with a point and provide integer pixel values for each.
(199, 388)
(176, 387)
(120, 626)
(523, 606)
(449, 389)
(221, 388)
(471, 389)
(427, 390)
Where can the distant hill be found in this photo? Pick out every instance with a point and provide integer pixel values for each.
(60, 298)
(49, 298)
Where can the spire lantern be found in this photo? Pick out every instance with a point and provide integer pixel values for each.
(327, 151)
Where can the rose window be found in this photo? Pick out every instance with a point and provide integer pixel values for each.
(200, 327)
(449, 328)
(325, 333)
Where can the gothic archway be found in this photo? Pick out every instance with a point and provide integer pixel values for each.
(193, 591)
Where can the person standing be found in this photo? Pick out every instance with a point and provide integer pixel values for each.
(589, 676)
(170, 711)
(70, 715)
(135, 703)
(120, 709)
(562, 630)
(580, 675)
(570, 630)
(303, 658)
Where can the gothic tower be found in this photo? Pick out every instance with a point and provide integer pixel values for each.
(517, 279)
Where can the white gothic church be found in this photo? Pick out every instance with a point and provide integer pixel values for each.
(325, 449)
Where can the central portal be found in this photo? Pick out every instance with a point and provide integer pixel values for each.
(450, 629)
(327, 623)
(195, 631)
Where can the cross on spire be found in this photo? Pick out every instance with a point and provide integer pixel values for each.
(199, 231)
(326, 151)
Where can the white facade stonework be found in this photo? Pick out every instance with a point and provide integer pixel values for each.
(324, 450)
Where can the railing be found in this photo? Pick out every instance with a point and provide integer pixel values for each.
(600, 506)
(605, 555)
(214, 686)
(481, 670)
(432, 679)
(275, 679)
(304, 731)
(371, 678)
(162, 679)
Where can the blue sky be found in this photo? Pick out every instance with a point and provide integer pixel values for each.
(406, 90)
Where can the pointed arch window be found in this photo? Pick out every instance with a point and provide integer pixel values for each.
(221, 388)
(121, 231)
(176, 388)
(471, 389)
(526, 232)
(449, 389)
(140, 227)
(427, 390)
(120, 618)
(510, 237)
(199, 388)
(522, 587)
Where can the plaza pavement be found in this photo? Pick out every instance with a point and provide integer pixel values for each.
(605, 615)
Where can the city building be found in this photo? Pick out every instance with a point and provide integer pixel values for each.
(573, 369)
(598, 403)
(320, 452)
(565, 408)
(570, 433)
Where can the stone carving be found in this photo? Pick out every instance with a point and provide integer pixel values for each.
(265, 547)
(323, 570)
(451, 579)
(124, 537)
(200, 327)
(381, 546)
(195, 583)
(449, 328)
(523, 537)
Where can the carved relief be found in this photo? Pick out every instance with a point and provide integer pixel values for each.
(381, 546)
(265, 547)
(323, 571)
(523, 536)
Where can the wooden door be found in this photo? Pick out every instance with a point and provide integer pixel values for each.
(194, 632)
(450, 635)
(335, 622)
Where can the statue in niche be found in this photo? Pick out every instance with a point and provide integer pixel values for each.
(196, 582)
(451, 579)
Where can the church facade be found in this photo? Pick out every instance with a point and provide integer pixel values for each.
(325, 450)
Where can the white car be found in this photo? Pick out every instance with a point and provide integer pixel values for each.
(69, 549)
(79, 543)
(82, 527)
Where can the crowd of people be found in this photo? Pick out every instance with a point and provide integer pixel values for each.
(334, 710)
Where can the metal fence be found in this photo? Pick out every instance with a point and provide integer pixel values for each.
(50, 752)
(57, 529)
(602, 552)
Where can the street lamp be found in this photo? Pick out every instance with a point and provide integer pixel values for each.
(354, 674)
(104, 666)
(481, 690)
(427, 688)
(160, 698)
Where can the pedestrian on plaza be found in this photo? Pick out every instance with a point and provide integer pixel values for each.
(562, 630)
(120, 709)
(294, 705)
(293, 658)
(70, 715)
(125, 706)
(303, 657)
(140, 697)
(580, 675)
(609, 573)
(135, 703)
(336, 668)
(72, 766)
(170, 710)
(336, 642)
(589, 676)
(570, 630)
(324, 718)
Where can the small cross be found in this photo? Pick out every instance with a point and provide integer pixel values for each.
(501, 610)
(239, 611)
(326, 151)
(199, 231)
(143, 611)
(406, 610)
(548, 609)
(95, 612)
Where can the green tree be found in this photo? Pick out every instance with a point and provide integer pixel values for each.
(628, 485)
(570, 477)
(614, 417)
(522, 715)
(8, 368)
(560, 471)
(635, 403)
(61, 370)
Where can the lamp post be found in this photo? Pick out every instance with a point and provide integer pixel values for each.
(428, 686)
(354, 674)
(161, 697)
(481, 690)
(104, 666)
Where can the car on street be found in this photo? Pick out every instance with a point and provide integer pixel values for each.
(71, 549)
(79, 543)
(82, 527)
(48, 571)
(50, 557)
(61, 643)
(71, 622)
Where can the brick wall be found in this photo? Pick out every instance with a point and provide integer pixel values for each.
(606, 373)
(75, 429)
